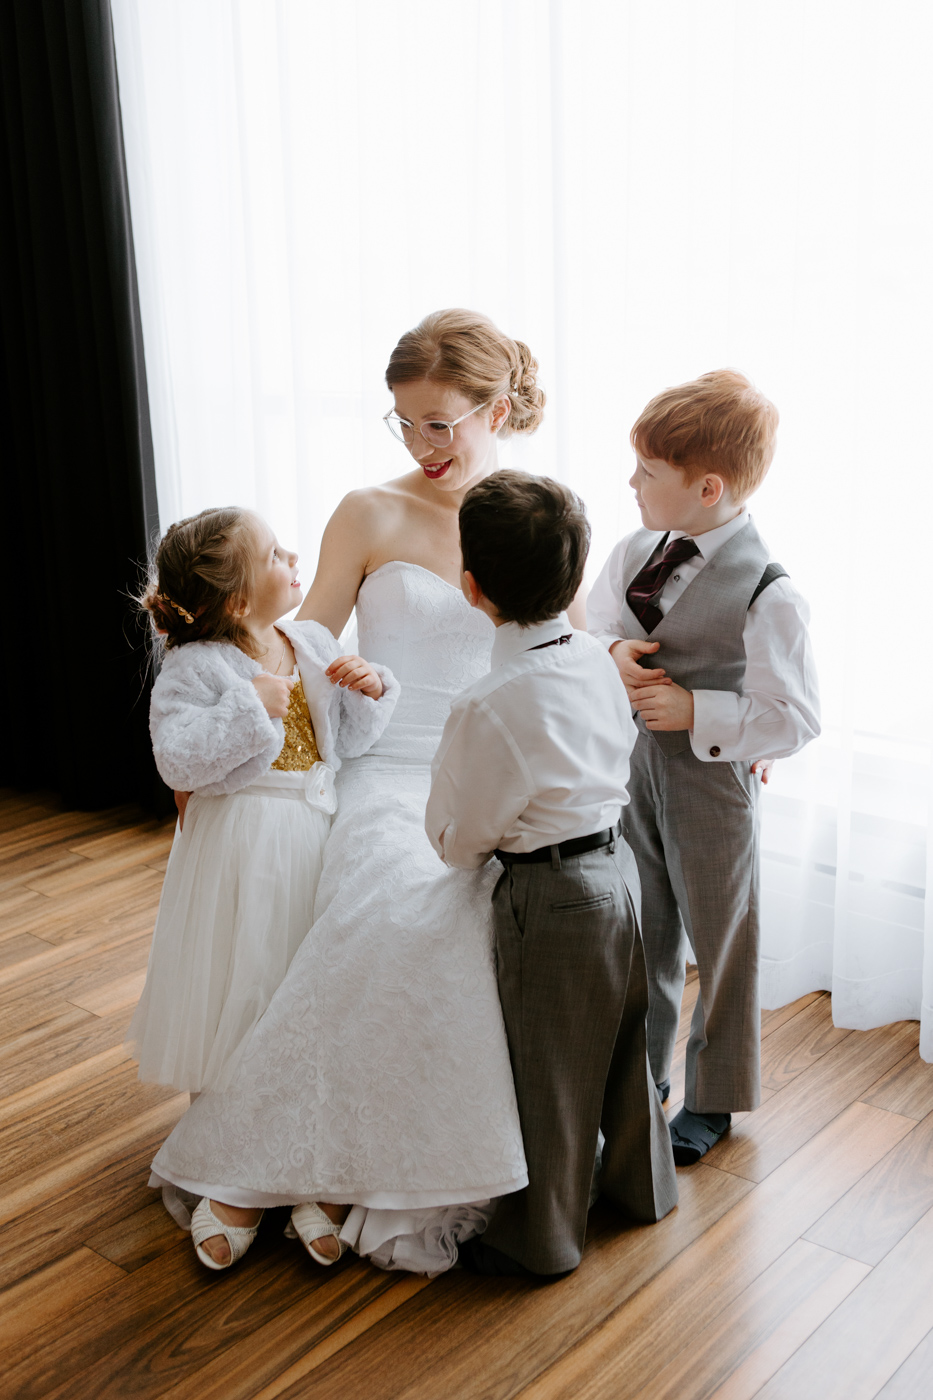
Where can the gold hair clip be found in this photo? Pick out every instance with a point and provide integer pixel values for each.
(166, 599)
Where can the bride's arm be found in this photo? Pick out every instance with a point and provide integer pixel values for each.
(346, 551)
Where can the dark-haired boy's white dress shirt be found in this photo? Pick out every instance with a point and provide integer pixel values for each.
(535, 752)
(534, 756)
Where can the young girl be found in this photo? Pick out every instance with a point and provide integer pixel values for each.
(249, 714)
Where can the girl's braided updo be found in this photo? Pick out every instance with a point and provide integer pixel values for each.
(203, 566)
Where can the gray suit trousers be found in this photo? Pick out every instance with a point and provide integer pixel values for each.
(693, 827)
(574, 995)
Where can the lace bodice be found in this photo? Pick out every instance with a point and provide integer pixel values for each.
(425, 631)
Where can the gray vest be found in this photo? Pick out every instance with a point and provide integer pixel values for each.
(702, 647)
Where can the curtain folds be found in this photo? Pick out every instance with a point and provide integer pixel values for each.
(79, 492)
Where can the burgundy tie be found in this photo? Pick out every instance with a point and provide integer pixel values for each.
(647, 584)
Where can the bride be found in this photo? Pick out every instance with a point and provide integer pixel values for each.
(379, 1077)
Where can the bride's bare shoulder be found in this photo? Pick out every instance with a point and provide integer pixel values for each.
(375, 508)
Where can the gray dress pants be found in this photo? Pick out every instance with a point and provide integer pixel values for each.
(574, 995)
(693, 827)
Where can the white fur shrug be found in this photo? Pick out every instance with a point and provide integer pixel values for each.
(210, 730)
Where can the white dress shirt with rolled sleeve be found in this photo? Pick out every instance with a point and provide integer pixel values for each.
(779, 710)
(535, 753)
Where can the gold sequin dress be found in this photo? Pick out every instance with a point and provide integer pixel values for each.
(299, 752)
(237, 903)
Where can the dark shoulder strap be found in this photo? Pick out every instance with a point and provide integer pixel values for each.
(772, 572)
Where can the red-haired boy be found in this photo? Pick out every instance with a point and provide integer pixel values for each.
(710, 638)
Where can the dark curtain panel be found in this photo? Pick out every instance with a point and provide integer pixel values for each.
(77, 502)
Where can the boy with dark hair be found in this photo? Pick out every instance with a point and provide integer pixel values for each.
(532, 768)
(738, 684)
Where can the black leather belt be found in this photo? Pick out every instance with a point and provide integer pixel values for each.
(578, 846)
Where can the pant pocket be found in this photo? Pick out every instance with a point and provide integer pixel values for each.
(509, 901)
(739, 772)
(570, 906)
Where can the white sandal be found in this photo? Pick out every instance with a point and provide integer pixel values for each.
(205, 1225)
(310, 1223)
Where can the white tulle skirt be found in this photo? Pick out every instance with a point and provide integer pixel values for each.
(237, 901)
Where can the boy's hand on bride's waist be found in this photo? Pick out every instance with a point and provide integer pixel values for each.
(274, 692)
(353, 673)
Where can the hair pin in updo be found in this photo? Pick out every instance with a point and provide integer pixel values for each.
(177, 606)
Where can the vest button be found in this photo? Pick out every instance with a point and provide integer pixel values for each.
(715, 751)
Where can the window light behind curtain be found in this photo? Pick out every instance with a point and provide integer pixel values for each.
(641, 192)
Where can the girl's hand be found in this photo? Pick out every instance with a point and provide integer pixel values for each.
(274, 692)
(353, 673)
(762, 767)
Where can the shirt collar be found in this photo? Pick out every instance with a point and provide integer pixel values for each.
(511, 639)
(711, 540)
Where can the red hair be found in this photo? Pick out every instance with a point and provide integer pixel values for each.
(718, 423)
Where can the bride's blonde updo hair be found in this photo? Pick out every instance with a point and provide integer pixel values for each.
(467, 352)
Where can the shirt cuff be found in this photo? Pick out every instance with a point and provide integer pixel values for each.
(715, 734)
(445, 844)
(437, 839)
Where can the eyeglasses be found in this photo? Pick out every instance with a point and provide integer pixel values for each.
(434, 430)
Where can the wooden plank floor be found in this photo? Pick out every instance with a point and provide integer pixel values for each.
(799, 1263)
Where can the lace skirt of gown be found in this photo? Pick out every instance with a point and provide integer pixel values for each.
(380, 1073)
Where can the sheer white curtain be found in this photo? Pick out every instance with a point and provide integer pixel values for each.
(641, 192)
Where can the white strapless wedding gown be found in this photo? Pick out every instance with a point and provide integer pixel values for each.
(379, 1075)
